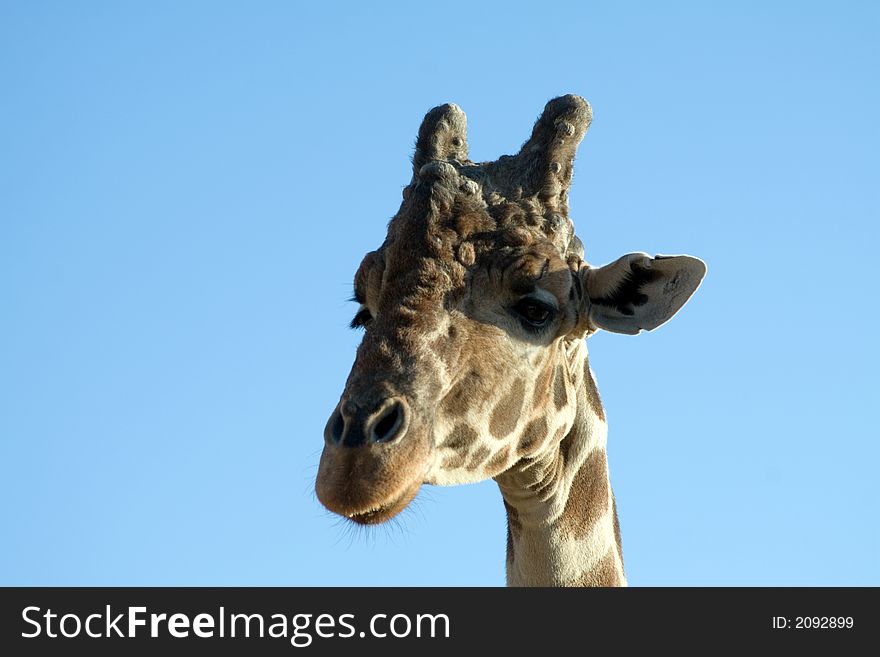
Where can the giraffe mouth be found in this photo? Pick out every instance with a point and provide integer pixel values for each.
(372, 483)
(379, 514)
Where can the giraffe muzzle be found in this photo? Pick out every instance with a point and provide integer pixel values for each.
(374, 460)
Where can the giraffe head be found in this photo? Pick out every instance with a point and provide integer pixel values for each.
(469, 307)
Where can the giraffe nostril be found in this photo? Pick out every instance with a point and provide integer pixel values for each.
(350, 426)
(337, 426)
(334, 430)
(385, 426)
(389, 424)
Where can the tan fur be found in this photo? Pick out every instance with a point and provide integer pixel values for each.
(604, 574)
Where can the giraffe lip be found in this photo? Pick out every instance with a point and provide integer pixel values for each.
(379, 514)
(371, 484)
(368, 517)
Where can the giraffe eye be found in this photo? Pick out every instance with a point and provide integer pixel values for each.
(532, 313)
(362, 318)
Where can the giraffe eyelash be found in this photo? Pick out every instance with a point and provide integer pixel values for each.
(361, 319)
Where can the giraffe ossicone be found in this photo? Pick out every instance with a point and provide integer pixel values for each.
(473, 363)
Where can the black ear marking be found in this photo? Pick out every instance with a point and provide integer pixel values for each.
(639, 293)
(628, 294)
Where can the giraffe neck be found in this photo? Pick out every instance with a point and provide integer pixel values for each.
(561, 515)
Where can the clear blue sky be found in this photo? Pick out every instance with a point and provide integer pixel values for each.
(186, 190)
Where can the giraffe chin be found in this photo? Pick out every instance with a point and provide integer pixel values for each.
(386, 511)
(372, 483)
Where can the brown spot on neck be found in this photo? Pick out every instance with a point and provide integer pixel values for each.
(592, 391)
(566, 444)
(478, 457)
(533, 437)
(560, 395)
(616, 528)
(542, 386)
(498, 463)
(512, 516)
(513, 527)
(588, 498)
(506, 414)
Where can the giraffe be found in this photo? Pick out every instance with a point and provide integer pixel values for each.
(474, 364)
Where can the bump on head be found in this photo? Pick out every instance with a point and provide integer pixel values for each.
(514, 201)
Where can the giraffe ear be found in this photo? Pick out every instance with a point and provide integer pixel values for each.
(638, 292)
(442, 136)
